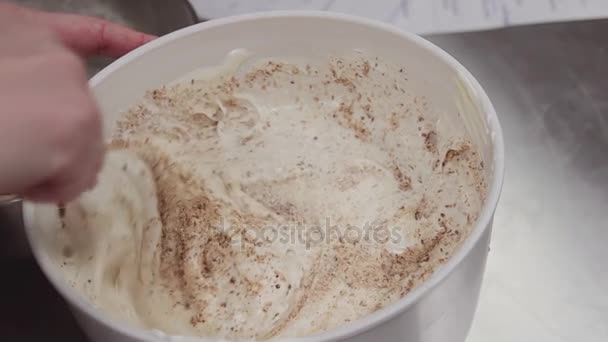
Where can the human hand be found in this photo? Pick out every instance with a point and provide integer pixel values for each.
(51, 144)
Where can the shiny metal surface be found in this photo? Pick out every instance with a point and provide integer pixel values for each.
(547, 273)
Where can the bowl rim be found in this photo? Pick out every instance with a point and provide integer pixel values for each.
(369, 321)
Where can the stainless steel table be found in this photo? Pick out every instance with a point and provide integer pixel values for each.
(547, 276)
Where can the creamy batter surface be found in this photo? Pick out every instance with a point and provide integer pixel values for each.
(270, 198)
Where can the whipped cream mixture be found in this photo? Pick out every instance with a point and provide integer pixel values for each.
(271, 198)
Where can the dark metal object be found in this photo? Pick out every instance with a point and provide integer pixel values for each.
(13, 242)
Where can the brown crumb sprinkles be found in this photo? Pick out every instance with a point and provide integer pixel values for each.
(202, 267)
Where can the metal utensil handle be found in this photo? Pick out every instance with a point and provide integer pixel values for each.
(6, 200)
(13, 242)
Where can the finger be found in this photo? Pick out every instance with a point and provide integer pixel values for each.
(77, 178)
(57, 192)
(64, 189)
(93, 36)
